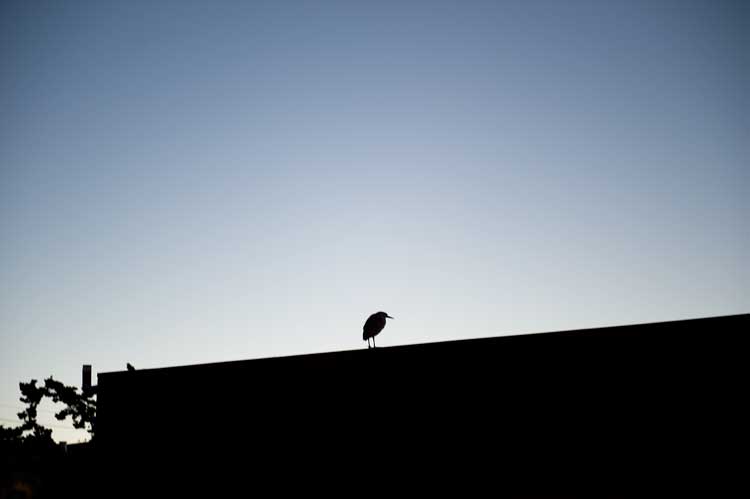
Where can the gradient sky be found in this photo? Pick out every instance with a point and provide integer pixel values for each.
(191, 182)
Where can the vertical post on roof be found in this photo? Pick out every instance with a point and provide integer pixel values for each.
(86, 374)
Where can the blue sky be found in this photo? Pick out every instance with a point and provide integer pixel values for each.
(190, 182)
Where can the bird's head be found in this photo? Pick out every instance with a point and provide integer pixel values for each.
(384, 315)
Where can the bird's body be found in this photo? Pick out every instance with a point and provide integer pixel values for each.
(130, 367)
(374, 324)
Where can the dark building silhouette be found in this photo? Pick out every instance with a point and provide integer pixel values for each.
(610, 411)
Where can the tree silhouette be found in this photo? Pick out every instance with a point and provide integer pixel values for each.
(32, 395)
(29, 456)
(79, 406)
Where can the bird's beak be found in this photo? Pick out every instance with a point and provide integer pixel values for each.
(389, 316)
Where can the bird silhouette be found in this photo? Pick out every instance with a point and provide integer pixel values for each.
(373, 325)
(130, 367)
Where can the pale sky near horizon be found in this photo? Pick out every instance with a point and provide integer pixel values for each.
(192, 182)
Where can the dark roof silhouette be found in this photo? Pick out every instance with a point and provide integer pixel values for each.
(597, 410)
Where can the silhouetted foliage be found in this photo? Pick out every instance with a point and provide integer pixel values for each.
(32, 395)
(10, 434)
(30, 459)
(79, 406)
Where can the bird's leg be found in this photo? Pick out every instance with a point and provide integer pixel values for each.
(373, 342)
(368, 343)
